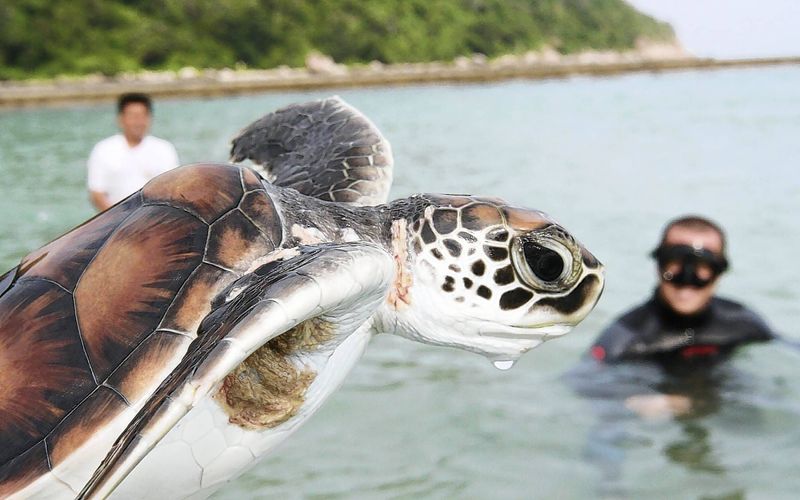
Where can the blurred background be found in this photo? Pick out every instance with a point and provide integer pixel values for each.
(611, 158)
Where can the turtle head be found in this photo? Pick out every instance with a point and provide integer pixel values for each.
(492, 278)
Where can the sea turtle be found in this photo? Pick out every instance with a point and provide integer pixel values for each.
(164, 346)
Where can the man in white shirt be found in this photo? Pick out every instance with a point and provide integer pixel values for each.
(121, 164)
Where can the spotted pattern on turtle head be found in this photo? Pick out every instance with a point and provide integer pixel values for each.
(483, 251)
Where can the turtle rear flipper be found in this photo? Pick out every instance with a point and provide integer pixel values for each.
(338, 285)
(326, 149)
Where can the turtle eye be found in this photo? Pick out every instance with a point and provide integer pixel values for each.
(545, 263)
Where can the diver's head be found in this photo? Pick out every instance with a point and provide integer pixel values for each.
(691, 258)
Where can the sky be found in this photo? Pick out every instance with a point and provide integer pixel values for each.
(731, 28)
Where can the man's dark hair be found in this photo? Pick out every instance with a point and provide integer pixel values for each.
(134, 97)
(697, 223)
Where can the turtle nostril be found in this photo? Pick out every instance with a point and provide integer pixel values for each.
(545, 263)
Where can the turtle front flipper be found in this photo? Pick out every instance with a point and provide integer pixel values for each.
(326, 149)
(337, 287)
(7, 280)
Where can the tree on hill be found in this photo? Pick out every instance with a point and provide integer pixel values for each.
(52, 37)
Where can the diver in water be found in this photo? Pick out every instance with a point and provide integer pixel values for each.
(683, 326)
(684, 322)
(664, 358)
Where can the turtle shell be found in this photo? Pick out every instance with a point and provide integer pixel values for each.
(91, 322)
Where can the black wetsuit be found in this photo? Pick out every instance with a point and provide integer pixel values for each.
(651, 351)
(652, 331)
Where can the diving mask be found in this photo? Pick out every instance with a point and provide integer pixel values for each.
(685, 265)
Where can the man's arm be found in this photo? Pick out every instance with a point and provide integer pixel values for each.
(173, 154)
(96, 179)
(613, 344)
(616, 344)
(167, 159)
(99, 200)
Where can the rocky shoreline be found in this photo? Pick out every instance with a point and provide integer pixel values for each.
(322, 72)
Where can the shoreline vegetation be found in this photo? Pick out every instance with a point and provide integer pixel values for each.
(322, 72)
(196, 48)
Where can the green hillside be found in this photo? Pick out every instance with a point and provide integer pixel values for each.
(40, 38)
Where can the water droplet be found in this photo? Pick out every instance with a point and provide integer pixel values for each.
(503, 364)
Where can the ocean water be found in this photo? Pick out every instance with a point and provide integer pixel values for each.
(610, 158)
